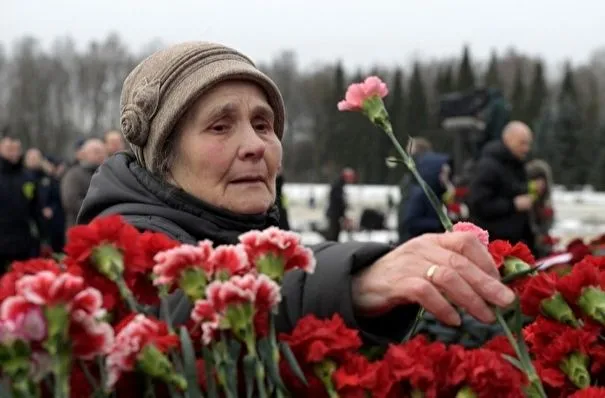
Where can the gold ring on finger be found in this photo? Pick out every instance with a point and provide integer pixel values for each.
(430, 273)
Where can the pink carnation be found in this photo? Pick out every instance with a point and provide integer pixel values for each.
(255, 289)
(358, 93)
(205, 315)
(133, 334)
(171, 263)
(285, 245)
(231, 258)
(480, 233)
(88, 335)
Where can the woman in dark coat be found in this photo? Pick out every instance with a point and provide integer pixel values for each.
(205, 127)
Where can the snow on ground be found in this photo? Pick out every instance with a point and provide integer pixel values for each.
(578, 213)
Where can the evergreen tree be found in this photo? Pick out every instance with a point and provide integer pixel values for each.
(518, 96)
(448, 79)
(466, 75)
(492, 76)
(569, 161)
(396, 105)
(417, 117)
(538, 95)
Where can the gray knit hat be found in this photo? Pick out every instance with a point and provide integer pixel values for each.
(163, 86)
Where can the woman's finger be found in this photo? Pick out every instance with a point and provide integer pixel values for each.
(467, 245)
(421, 291)
(461, 293)
(487, 287)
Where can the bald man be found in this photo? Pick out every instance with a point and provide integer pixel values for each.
(499, 198)
(74, 184)
(114, 142)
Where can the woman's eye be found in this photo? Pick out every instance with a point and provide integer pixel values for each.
(220, 128)
(262, 126)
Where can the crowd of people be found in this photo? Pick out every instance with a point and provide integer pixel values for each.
(40, 196)
(503, 191)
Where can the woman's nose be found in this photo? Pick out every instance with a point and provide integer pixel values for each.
(252, 146)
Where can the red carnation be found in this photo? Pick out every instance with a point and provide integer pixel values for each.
(500, 344)
(488, 374)
(151, 243)
(538, 288)
(501, 250)
(540, 333)
(411, 366)
(578, 249)
(356, 377)
(18, 269)
(590, 392)
(582, 275)
(314, 340)
(274, 251)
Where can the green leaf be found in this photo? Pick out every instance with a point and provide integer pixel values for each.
(209, 366)
(265, 351)
(517, 317)
(292, 362)
(190, 368)
(165, 312)
(514, 361)
(249, 374)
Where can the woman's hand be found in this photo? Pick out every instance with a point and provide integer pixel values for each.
(434, 270)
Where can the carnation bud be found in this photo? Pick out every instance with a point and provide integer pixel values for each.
(271, 265)
(109, 261)
(513, 265)
(592, 303)
(324, 371)
(557, 308)
(466, 392)
(575, 367)
(152, 362)
(193, 282)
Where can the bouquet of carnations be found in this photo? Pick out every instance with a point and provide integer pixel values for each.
(99, 321)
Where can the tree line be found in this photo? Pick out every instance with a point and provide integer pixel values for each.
(52, 96)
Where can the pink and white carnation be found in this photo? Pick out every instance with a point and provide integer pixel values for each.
(170, 264)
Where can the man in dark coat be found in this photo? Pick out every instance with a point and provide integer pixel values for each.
(77, 179)
(420, 217)
(499, 199)
(20, 212)
(337, 204)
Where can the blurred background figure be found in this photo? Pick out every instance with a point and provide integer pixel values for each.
(337, 205)
(542, 214)
(420, 216)
(20, 212)
(114, 142)
(74, 184)
(499, 197)
(419, 146)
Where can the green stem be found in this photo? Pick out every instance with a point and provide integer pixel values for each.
(523, 357)
(61, 372)
(127, 294)
(409, 162)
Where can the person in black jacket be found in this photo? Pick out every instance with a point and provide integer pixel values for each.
(499, 198)
(421, 217)
(337, 204)
(205, 126)
(20, 211)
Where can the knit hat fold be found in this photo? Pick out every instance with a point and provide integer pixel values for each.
(158, 92)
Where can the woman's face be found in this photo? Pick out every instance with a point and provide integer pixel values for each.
(228, 154)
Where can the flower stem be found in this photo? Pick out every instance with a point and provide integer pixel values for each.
(127, 294)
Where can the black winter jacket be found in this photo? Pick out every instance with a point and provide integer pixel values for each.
(19, 211)
(500, 177)
(122, 187)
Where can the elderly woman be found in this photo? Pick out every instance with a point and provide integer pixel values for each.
(205, 126)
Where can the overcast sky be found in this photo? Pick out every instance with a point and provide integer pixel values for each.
(360, 32)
